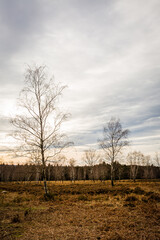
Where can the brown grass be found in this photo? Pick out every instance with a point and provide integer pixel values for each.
(84, 210)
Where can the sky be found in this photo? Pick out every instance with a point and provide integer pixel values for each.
(106, 52)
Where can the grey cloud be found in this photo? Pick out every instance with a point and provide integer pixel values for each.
(106, 51)
(21, 23)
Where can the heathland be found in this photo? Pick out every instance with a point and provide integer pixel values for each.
(80, 210)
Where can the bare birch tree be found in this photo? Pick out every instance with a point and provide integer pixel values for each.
(135, 159)
(113, 141)
(38, 125)
(91, 157)
(157, 159)
(72, 163)
(146, 162)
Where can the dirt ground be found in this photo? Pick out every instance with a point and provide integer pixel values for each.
(81, 210)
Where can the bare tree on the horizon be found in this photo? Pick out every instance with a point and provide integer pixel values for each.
(157, 159)
(135, 159)
(38, 127)
(113, 141)
(72, 163)
(91, 158)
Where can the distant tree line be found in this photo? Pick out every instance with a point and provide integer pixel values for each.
(32, 172)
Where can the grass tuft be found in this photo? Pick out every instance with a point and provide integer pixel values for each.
(16, 219)
(83, 198)
(49, 197)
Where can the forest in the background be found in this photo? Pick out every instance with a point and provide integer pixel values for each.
(32, 172)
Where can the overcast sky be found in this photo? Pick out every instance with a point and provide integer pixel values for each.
(107, 52)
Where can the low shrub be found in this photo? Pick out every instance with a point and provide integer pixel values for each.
(131, 199)
(144, 199)
(18, 199)
(129, 205)
(49, 197)
(115, 236)
(126, 191)
(149, 193)
(154, 196)
(82, 198)
(138, 190)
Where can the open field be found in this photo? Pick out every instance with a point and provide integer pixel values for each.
(84, 210)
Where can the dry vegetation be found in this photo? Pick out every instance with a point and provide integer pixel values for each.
(84, 210)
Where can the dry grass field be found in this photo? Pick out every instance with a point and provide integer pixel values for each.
(81, 210)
